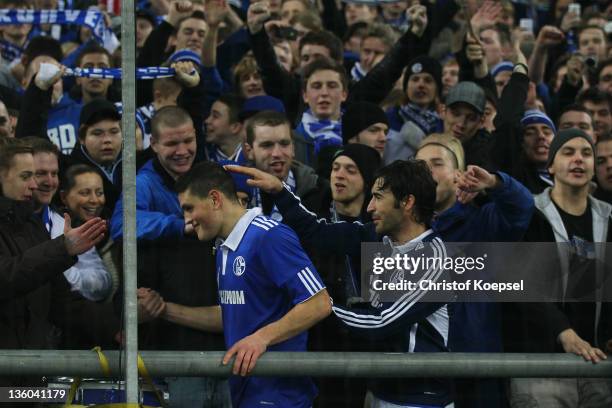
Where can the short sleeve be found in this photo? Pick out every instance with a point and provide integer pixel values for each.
(288, 265)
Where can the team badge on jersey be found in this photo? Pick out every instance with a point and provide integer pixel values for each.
(239, 266)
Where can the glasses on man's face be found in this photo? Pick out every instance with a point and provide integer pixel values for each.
(3, 120)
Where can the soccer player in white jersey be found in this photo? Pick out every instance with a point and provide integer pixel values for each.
(269, 291)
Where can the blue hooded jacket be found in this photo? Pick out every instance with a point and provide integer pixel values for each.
(158, 212)
(476, 327)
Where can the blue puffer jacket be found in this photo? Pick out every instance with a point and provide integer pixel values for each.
(158, 212)
(476, 327)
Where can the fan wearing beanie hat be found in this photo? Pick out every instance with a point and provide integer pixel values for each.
(571, 158)
(538, 134)
(417, 118)
(367, 124)
(501, 75)
(351, 179)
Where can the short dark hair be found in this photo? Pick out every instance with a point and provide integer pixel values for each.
(410, 177)
(93, 48)
(9, 148)
(168, 116)
(574, 107)
(325, 39)
(502, 30)
(40, 145)
(234, 105)
(264, 118)
(591, 27)
(594, 95)
(323, 64)
(40, 45)
(359, 28)
(198, 15)
(69, 178)
(204, 177)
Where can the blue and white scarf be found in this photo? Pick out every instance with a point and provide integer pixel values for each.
(322, 132)
(94, 20)
(357, 72)
(215, 154)
(10, 52)
(115, 73)
(427, 120)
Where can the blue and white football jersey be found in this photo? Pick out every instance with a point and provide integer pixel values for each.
(262, 273)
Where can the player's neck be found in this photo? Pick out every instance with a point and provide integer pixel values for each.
(231, 216)
(409, 232)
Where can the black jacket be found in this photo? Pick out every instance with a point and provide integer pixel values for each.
(31, 277)
(374, 87)
(507, 153)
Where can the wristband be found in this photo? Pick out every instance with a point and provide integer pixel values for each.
(520, 64)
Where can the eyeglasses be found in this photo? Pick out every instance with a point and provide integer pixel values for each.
(3, 120)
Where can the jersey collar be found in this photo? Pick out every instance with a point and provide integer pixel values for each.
(234, 238)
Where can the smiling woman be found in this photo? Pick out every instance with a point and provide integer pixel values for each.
(82, 193)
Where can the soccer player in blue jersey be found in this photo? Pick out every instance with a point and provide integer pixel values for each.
(269, 291)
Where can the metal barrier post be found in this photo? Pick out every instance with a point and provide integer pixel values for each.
(128, 95)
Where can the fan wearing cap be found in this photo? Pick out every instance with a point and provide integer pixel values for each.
(367, 124)
(417, 117)
(100, 143)
(464, 118)
(567, 213)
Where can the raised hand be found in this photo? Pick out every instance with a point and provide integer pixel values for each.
(82, 239)
(186, 74)
(216, 11)
(48, 75)
(257, 178)
(569, 21)
(488, 13)
(476, 179)
(549, 36)
(418, 18)
(179, 9)
(257, 14)
(475, 53)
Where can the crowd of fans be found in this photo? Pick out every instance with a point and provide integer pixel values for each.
(508, 103)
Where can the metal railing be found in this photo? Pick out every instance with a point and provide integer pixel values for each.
(315, 364)
(128, 98)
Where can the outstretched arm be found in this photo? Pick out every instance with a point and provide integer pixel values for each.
(340, 237)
